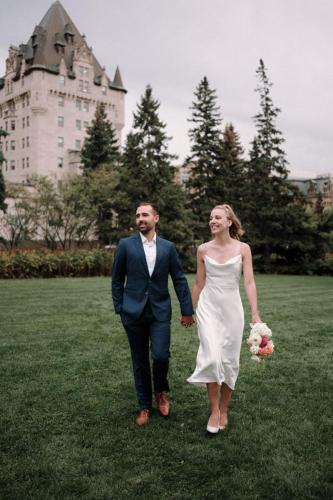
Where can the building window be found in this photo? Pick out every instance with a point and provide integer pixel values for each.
(23, 143)
(60, 162)
(12, 125)
(79, 104)
(12, 145)
(104, 90)
(23, 102)
(60, 142)
(28, 121)
(28, 101)
(83, 71)
(12, 164)
(83, 86)
(62, 80)
(6, 145)
(23, 162)
(23, 122)
(77, 144)
(6, 126)
(28, 142)
(27, 162)
(78, 124)
(86, 124)
(61, 101)
(61, 121)
(85, 106)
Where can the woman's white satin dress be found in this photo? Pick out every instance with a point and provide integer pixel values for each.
(220, 322)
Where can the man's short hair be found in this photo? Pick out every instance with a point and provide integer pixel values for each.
(152, 205)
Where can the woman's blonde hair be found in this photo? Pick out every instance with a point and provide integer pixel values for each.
(235, 229)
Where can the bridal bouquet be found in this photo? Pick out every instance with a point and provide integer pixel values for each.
(259, 341)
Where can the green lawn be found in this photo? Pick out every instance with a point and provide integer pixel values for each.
(68, 403)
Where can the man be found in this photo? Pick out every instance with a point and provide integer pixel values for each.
(145, 261)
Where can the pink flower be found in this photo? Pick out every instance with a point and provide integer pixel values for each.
(267, 350)
(264, 341)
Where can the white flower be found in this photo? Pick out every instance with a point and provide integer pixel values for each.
(254, 338)
(262, 329)
(254, 349)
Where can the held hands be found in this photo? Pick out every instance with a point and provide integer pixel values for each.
(187, 321)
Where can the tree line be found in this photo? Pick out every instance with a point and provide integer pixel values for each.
(286, 235)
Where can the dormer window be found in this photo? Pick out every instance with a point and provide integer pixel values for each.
(68, 34)
(69, 37)
(60, 47)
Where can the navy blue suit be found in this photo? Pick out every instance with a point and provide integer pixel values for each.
(144, 305)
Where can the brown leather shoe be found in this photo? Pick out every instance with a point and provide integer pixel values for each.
(163, 405)
(143, 417)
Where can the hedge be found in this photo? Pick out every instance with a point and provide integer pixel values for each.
(45, 264)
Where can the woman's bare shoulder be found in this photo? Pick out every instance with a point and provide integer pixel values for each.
(245, 249)
(202, 249)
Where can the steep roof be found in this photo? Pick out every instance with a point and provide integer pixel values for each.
(54, 38)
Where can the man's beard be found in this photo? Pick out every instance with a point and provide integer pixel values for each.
(145, 229)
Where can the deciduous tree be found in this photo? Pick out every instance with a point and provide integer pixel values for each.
(3, 195)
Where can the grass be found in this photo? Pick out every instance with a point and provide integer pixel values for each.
(68, 403)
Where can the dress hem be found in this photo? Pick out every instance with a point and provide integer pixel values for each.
(204, 382)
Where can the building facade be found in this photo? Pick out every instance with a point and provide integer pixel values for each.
(48, 98)
(320, 187)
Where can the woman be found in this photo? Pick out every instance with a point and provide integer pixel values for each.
(220, 315)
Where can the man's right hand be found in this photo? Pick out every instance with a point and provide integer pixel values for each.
(187, 321)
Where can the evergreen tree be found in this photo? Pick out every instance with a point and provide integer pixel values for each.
(100, 147)
(3, 205)
(100, 155)
(206, 186)
(277, 224)
(233, 170)
(147, 174)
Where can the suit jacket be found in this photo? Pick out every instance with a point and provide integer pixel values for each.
(130, 266)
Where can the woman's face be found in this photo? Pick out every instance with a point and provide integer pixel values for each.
(218, 221)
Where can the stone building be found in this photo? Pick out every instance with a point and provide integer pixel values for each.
(321, 186)
(48, 98)
(183, 172)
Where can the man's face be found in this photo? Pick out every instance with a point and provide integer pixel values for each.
(146, 219)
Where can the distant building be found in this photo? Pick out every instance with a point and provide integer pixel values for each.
(313, 188)
(48, 98)
(182, 172)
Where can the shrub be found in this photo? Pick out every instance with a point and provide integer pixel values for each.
(43, 264)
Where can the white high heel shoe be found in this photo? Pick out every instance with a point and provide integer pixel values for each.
(211, 429)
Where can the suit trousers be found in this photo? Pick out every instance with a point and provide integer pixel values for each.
(144, 334)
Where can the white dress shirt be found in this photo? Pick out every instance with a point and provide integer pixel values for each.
(150, 252)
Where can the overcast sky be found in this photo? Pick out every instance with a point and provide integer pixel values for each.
(172, 44)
